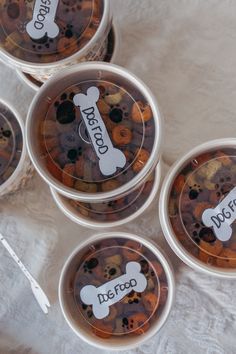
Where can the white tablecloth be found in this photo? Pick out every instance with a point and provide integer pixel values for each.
(185, 50)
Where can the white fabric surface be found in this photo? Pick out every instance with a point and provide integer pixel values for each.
(185, 50)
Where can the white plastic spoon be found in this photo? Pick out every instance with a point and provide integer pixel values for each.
(37, 291)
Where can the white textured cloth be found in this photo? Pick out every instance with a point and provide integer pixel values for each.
(185, 51)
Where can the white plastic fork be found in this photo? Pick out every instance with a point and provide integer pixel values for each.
(39, 294)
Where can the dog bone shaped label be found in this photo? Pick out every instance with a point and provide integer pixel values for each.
(221, 217)
(109, 157)
(43, 22)
(108, 294)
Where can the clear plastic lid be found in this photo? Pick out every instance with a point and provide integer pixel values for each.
(96, 131)
(115, 287)
(202, 207)
(11, 143)
(48, 31)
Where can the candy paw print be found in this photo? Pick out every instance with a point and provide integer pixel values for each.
(42, 44)
(111, 271)
(137, 323)
(132, 298)
(118, 113)
(67, 31)
(194, 192)
(127, 324)
(201, 232)
(224, 186)
(65, 109)
(67, 42)
(90, 265)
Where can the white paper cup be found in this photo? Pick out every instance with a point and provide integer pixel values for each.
(15, 164)
(116, 246)
(68, 208)
(208, 185)
(139, 150)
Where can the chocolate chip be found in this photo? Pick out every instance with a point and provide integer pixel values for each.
(7, 133)
(193, 194)
(92, 263)
(72, 154)
(116, 115)
(66, 112)
(112, 271)
(68, 33)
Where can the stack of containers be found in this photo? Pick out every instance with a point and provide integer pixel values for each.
(40, 38)
(94, 135)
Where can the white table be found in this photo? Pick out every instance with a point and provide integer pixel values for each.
(185, 50)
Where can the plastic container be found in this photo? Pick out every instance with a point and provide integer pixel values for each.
(116, 290)
(42, 38)
(111, 214)
(113, 44)
(15, 166)
(94, 132)
(198, 208)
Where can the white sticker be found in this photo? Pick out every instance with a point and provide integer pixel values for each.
(108, 294)
(43, 22)
(109, 157)
(221, 217)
